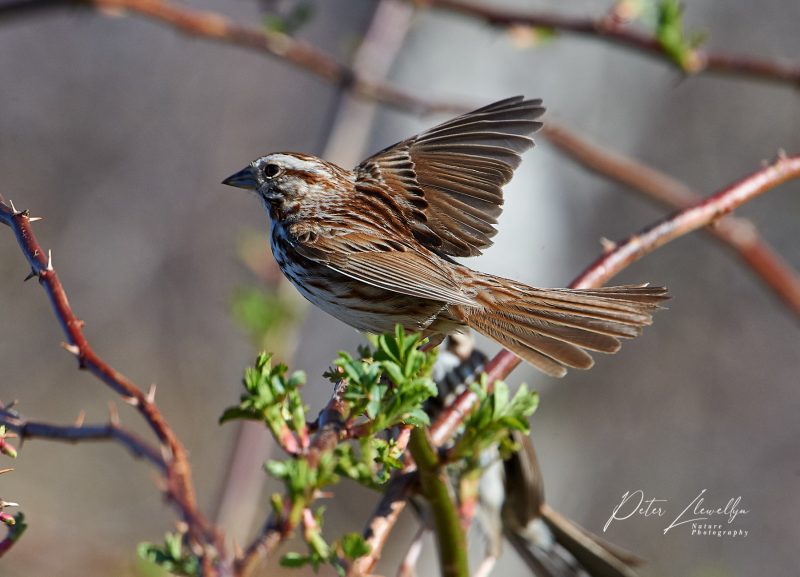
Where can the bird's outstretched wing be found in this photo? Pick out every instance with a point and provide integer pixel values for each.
(450, 178)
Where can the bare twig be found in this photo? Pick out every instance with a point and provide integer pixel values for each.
(177, 473)
(271, 535)
(705, 213)
(613, 31)
(75, 433)
(383, 521)
(215, 26)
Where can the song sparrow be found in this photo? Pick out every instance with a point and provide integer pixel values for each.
(373, 246)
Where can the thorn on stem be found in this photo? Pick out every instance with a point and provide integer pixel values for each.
(166, 454)
(49, 260)
(113, 414)
(31, 274)
(608, 245)
(80, 418)
(35, 218)
(14, 208)
(151, 393)
(132, 401)
(73, 349)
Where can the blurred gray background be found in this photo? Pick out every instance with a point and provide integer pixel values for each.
(118, 131)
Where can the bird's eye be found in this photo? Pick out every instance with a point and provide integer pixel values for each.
(271, 170)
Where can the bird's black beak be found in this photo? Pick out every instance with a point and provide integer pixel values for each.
(242, 179)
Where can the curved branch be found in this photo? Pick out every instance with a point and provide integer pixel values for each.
(215, 26)
(178, 472)
(739, 234)
(76, 433)
(705, 213)
(611, 30)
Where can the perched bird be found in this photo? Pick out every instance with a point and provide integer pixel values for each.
(373, 246)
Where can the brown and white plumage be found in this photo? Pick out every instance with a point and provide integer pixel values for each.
(372, 247)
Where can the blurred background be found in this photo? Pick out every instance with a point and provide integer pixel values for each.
(118, 131)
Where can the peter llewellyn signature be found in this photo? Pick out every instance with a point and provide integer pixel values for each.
(634, 503)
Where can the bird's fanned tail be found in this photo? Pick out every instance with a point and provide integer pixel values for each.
(553, 329)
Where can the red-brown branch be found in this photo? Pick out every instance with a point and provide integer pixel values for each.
(616, 32)
(705, 213)
(271, 535)
(737, 233)
(178, 473)
(217, 27)
(76, 433)
(382, 522)
(214, 26)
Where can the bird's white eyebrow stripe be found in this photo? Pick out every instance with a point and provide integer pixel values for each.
(293, 163)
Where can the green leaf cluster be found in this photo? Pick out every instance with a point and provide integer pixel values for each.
(389, 385)
(272, 397)
(497, 414)
(672, 37)
(292, 21)
(173, 556)
(350, 547)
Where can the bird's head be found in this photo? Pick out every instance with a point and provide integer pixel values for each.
(285, 179)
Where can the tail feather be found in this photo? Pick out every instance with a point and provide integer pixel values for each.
(550, 328)
(546, 353)
(587, 324)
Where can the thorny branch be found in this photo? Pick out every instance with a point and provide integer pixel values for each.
(705, 213)
(179, 486)
(112, 431)
(738, 233)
